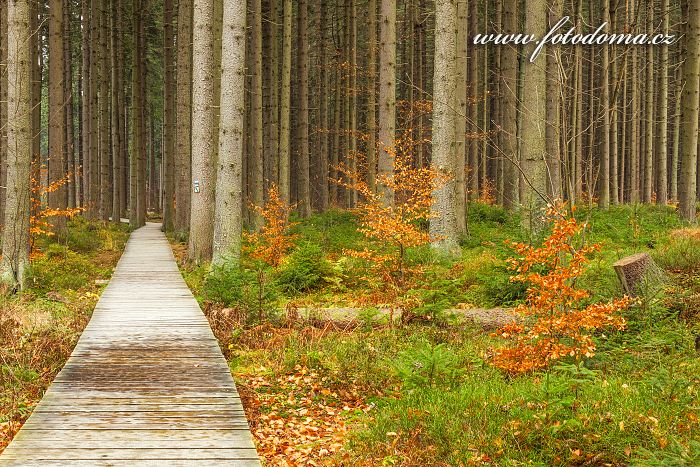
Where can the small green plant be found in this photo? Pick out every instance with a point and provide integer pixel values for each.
(427, 366)
(304, 270)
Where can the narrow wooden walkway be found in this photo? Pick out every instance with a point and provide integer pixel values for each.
(146, 383)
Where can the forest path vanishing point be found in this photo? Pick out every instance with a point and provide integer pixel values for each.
(145, 385)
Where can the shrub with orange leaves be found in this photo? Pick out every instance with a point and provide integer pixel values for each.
(273, 241)
(556, 323)
(392, 229)
(40, 214)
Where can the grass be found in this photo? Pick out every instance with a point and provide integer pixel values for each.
(428, 395)
(40, 326)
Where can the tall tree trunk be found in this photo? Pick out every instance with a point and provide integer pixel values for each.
(69, 135)
(304, 193)
(3, 109)
(169, 116)
(117, 102)
(662, 152)
(274, 92)
(509, 104)
(103, 99)
(473, 107)
(95, 81)
(387, 95)
(14, 264)
(634, 117)
(285, 95)
(323, 107)
(443, 224)
(604, 163)
(675, 150)
(460, 147)
(56, 116)
(229, 207)
(203, 125)
(534, 121)
(372, 94)
(85, 103)
(649, 112)
(256, 123)
(690, 107)
(554, 154)
(183, 98)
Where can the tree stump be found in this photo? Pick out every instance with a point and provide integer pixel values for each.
(639, 273)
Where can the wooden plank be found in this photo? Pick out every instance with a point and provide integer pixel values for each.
(145, 385)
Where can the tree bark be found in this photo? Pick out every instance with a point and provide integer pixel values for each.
(304, 194)
(509, 104)
(14, 264)
(169, 116)
(689, 123)
(443, 223)
(117, 102)
(372, 94)
(56, 116)
(649, 112)
(604, 163)
(285, 96)
(203, 125)
(256, 123)
(460, 148)
(662, 152)
(554, 154)
(387, 95)
(183, 98)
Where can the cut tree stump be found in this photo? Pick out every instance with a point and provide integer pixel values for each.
(638, 273)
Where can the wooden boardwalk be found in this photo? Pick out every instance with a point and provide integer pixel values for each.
(146, 383)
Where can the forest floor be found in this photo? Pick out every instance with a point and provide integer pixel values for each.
(40, 326)
(371, 391)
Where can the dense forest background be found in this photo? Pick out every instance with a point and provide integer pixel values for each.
(193, 109)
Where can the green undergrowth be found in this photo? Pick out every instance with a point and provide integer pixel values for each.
(434, 398)
(319, 272)
(40, 326)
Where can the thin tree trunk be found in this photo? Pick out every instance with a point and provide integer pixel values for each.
(675, 150)
(460, 147)
(509, 103)
(169, 116)
(68, 137)
(304, 194)
(554, 154)
(257, 179)
(285, 95)
(604, 163)
(56, 116)
(689, 124)
(117, 102)
(85, 103)
(3, 109)
(649, 113)
(662, 165)
(634, 118)
(372, 94)
(183, 98)
(323, 108)
(387, 95)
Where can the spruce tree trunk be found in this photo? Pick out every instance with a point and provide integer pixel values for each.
(675, 150)
(371, 86)
(323, 108)
(68, 138)
(228, 220)
(387, 95)
(3, 109)
(183, 102)
(103, 98)
(285, 96)
(662, 151)
(85, 107)
(533, 113)
(203, 125)
(274, 92)
(56, 116)
(304, 193)
(169, 116)
(554, 154)
(509, 104)
(634, 117)
(257, 178)
(460, 147)
(95, 81)
(14, 264)
(443, 223)
(689, 119)
(473, 107)
(117, 102)
(649, 112)
(604, 163)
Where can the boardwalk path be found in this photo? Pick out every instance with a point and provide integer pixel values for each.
(146, 384)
